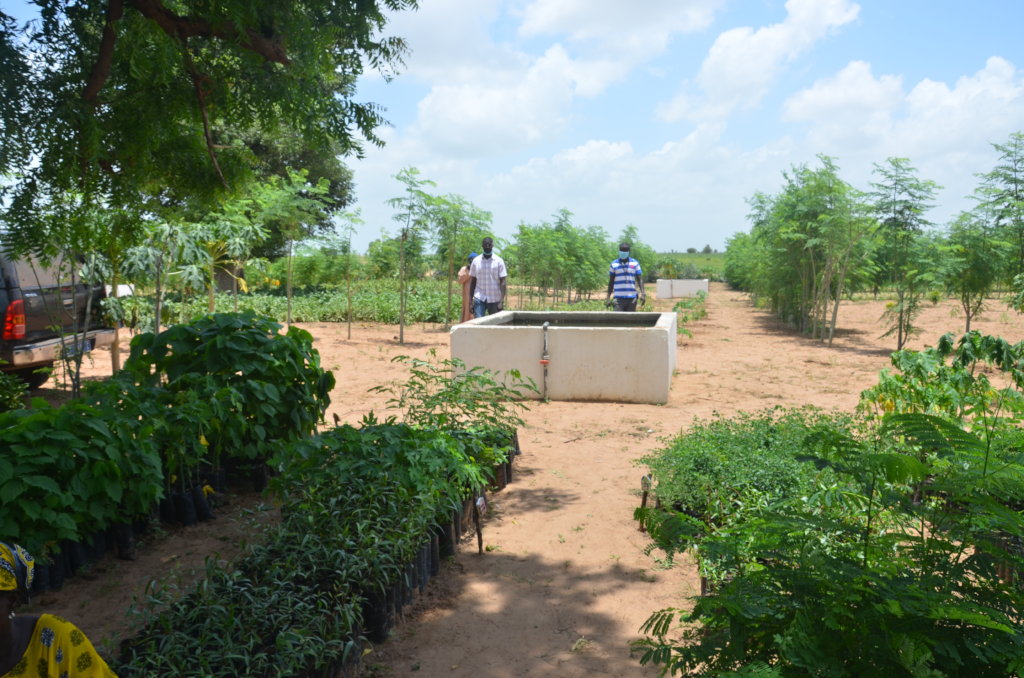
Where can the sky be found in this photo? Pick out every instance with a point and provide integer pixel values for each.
(669, 114)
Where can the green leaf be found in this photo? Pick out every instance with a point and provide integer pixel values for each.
(932, 432)
(43, 483)
(11, 490)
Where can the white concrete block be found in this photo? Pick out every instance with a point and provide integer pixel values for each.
(671, 289)
(592, 355)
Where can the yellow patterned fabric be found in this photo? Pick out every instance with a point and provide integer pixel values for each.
(17, 568)
(59, 650)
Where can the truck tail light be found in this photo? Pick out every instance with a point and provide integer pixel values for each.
(14, 320)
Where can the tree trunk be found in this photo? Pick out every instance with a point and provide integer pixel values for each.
(288, 286)
(158, 294)
(401, 284)
(348, 289)
(211, 289)
(115, 348)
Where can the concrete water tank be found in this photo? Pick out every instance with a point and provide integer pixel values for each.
(674, 288)
(597, 356)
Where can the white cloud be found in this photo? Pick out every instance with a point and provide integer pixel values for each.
(988, 102)
(856, 114)
(491, 94)
(507, 112)
(743, 63)
(488, 98)
(611, 37)
(607, 183)
(946, 131)
(851, 108)
(618, 23)
(450, 40)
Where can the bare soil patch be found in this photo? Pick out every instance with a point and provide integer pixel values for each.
(564, 584)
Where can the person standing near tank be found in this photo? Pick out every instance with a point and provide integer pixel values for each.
(467, 297)
(487, 281)
(625, 281)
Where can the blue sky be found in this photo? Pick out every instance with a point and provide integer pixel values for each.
(668, 114)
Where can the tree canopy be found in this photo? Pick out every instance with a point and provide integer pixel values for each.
(129, 103)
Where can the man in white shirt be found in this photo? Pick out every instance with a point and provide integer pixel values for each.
(487, 281)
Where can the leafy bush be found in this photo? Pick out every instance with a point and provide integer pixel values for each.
(952, 380)
(12, 391)
(470, 404)
(713, 471)
(856, 579)
(445, 394)
(424, 462)
(227, 384)
(372, 301)
(292, 605)
(905, 560)
(70, 472)
(358, 505)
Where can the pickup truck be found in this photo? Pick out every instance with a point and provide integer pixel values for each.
(42, 316)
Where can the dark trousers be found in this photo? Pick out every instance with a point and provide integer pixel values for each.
(622, 304)
(482, 308)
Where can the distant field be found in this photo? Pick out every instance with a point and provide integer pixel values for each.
(708, 265)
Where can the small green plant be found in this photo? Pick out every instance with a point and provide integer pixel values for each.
(580, 645)
(690, 309)
(447, 395)
(12, 392)
(227, 384)
(470, 403)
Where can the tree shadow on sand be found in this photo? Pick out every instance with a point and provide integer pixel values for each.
(505, 614)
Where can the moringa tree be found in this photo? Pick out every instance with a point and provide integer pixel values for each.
(973, 262)
(900, 201)
(803, 244)
(1002, 194)
(413, 215)
(459, 227)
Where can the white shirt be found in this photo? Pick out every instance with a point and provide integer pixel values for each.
(488, 274)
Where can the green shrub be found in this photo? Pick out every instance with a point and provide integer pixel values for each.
(713, 470)
(856, 578)
(73, 471)
(690, 309)
(227, 385)
(12, 392)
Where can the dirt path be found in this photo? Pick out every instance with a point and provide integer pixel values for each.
(564, 585)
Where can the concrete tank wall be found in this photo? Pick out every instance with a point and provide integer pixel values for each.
(587, 362)
(671, 289)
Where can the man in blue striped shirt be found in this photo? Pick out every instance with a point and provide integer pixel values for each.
(625, 279)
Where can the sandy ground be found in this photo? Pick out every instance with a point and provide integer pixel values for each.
(564, 584)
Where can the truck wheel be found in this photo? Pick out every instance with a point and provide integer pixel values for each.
(33, 378)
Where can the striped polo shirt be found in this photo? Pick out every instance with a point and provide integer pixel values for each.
(625, 273)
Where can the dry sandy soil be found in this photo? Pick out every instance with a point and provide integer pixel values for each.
(564, 584)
